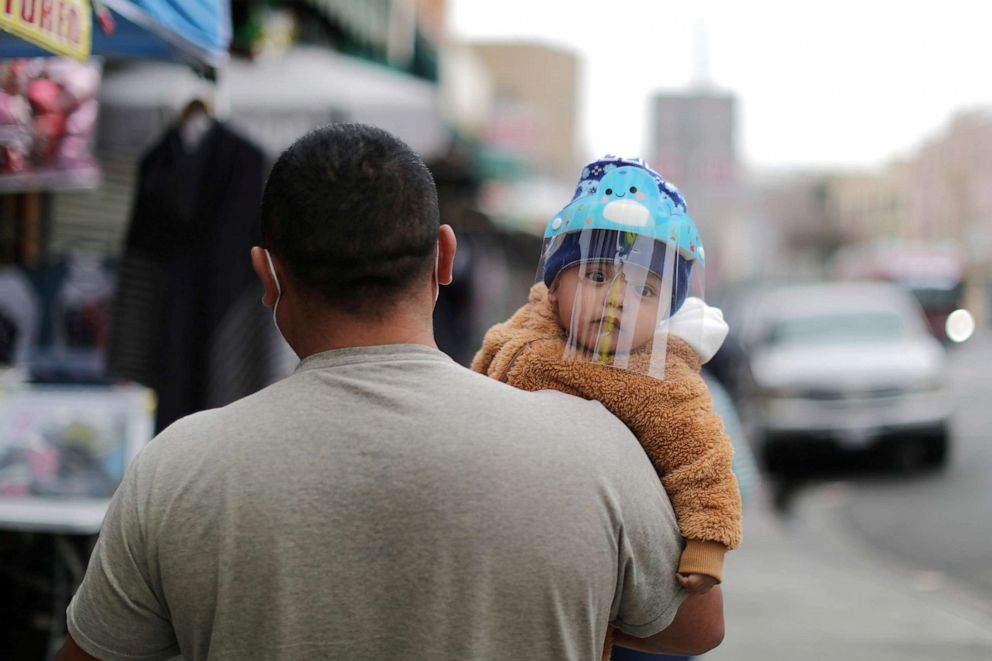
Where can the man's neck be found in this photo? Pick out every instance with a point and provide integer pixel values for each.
(337, 331)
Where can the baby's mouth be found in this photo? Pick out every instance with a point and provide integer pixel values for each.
(607, 324)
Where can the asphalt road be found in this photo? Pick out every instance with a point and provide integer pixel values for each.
(938, 524)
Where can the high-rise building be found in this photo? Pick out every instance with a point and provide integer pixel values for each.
(692, 141)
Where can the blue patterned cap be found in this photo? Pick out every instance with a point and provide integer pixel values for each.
(624, 194)
(594, 172)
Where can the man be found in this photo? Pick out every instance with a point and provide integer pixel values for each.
(382, 502)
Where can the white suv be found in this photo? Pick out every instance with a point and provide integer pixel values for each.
(845, 364)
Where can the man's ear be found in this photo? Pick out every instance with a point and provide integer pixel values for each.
(447, 245)
(260, 264)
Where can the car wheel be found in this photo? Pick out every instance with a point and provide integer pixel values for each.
(778, 459)
(935, 450)
(907, 454)
(919, 452)
(774, 460)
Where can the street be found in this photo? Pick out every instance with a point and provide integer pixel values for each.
(869, 563)
(938, 523)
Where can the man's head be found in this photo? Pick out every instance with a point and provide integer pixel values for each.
(353, 247)
(351, 214)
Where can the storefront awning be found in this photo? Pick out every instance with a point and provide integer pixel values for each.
(275, 100)
(195, 32)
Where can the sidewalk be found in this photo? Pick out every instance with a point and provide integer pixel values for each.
(799, 589)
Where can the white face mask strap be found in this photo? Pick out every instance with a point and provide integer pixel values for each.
(272, 270)
(437, 263)
(275, 306)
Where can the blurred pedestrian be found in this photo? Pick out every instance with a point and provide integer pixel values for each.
(611, 319)
(382, 502)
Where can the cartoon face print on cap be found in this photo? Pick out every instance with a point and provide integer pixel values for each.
(629, 195)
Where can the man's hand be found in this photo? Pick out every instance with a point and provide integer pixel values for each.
(696, 583)
(72, 652)
(696, 629)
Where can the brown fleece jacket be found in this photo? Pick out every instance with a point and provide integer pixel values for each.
(672, 418)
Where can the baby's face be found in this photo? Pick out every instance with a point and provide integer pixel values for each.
(603, 307)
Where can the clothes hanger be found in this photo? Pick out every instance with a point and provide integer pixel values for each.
(195, 120)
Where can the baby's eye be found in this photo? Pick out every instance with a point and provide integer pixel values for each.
(633, 189)
(609, 191)
(596, 276)
(645, 291)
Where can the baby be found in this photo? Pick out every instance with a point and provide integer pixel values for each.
(611, 319)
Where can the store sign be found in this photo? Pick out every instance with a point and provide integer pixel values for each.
(59, 26)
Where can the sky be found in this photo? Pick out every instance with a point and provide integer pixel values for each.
(847, 83)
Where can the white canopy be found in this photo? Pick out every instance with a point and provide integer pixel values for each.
(277, 98)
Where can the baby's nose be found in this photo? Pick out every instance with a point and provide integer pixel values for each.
(617, 291)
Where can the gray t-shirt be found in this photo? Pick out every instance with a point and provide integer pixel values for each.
(383, 503)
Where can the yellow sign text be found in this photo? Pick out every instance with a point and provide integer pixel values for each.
(63, 27)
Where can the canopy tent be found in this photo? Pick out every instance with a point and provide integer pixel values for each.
(275, 100)
(195, 32)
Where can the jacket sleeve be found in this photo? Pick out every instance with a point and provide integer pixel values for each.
(684, 438)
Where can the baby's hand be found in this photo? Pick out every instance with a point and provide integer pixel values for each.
(696, 583)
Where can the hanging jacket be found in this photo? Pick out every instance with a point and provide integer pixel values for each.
(186, 318)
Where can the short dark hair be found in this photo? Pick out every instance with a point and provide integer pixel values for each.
(352, 213)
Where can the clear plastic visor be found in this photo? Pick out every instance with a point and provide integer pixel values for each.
(623, 309)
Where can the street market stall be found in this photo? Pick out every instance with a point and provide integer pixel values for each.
(67, 431)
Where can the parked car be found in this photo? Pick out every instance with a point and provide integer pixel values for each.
(847, 365)
(738, 303)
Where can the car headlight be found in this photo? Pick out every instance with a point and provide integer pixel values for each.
(932, 384)
(960, 326)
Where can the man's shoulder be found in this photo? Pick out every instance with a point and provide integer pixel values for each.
(230, 420)
(560, 405)
(472, 402)
(584, 425)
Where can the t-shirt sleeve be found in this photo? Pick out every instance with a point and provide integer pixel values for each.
(649, 546)
(116, 613)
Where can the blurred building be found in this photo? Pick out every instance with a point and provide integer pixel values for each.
(535, 106)
(868, 206)
(693, 143)
(789, 234)
(432, 19)
(952, 184)
(937, 201)
(693, 139)
(952, 200)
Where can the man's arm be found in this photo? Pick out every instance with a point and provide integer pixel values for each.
(72, 652)
(118, 610)
(696, 629)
